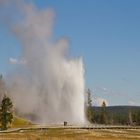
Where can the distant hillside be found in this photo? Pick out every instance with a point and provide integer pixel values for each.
(118, 109)
(118, 114)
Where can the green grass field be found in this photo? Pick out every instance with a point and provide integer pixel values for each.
(72, 134)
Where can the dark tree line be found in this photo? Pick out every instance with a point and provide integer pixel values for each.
(130, 117)
(108, 115)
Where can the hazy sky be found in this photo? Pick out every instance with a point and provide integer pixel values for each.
(106, 33)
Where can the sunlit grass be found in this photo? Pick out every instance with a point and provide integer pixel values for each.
(72, 134)
(20, 122)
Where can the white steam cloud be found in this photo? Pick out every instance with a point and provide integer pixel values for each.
(49, 88)
(15, 61)
(99, 102)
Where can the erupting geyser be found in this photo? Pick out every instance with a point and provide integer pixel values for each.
(49, 84)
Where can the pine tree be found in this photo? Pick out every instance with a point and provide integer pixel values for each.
(130, 118)
(2, 87)
(138, 118)
(89, 106)
(6, 113)
(103, 118)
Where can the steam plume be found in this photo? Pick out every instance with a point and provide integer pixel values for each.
(50, 85)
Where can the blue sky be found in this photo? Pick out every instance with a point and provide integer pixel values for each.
(105, 33)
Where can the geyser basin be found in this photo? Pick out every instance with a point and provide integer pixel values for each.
(49, 84)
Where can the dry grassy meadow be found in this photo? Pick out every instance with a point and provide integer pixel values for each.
(72, 134)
